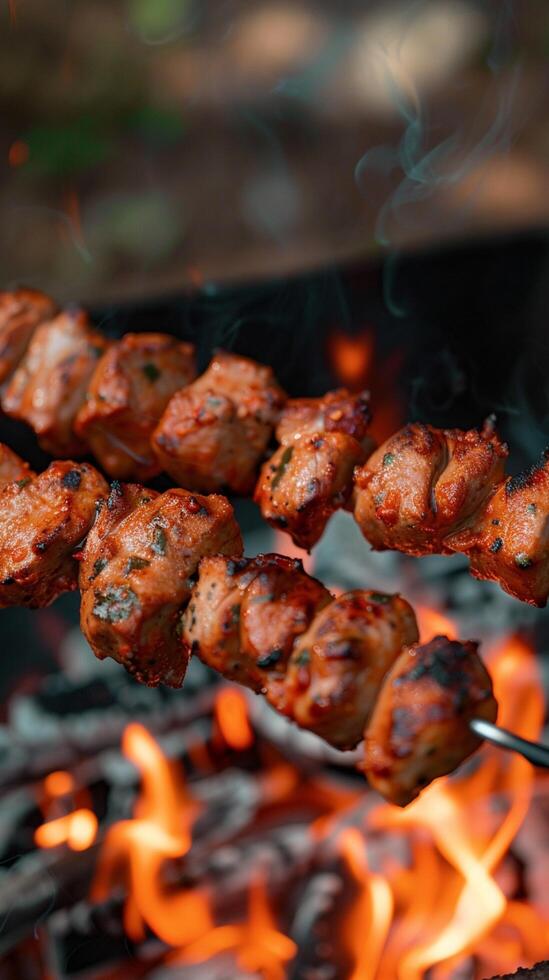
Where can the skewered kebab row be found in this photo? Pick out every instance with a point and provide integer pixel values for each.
(161, 577)
(78, 391)
(424, 491)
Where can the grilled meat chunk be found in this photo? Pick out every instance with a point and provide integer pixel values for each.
(337, 666)
(12, 467)
(424, 484)
(214, 432)
(419, 728)
(137, 576)
(128, 392)
(49, 386)
(244, 617)
(509, 541)
(336, 411)
(43, 520)
(302, 485)
(20, 313)
(311, 475)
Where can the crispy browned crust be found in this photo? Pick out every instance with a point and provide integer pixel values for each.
(509, 542)
(137, 576)
(213, 433)
(303, 484)
(337, 666)
(21, 310)
(128, 392)
(419, 729)
(49, 386)
(44, 518)
(424, 484)
(245, 616)
(310, 476)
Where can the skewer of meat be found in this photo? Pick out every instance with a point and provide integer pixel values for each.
(162, 577)
(134, 402)
(423, 491)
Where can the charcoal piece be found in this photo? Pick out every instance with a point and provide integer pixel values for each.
(538, 972)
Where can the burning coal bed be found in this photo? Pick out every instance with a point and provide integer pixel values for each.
(194, 834)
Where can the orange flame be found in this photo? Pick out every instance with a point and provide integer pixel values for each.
(458, 907)
(231, 712)
(258, 944)
(138, 849)
(404, 921)
(432, 622)
(77, 829)
(352, 356)
(367, 926)
(58, 783)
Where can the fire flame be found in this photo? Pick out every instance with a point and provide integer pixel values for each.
(258, 944)
(402, 922)
(77, 829)
(232, 718)
(352, 356)
(453, 906)
(160, 830)
(137, 849)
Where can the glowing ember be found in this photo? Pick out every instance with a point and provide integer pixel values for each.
(231, 712)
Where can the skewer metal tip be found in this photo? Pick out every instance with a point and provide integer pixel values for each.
(536, 753)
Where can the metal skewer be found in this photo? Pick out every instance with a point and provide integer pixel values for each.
(534, 752)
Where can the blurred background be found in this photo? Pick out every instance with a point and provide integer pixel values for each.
(151, 146)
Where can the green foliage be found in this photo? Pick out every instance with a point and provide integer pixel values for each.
(66, 150)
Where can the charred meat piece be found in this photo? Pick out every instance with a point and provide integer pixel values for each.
(49, 386)
(509, 541)
(302, 485)
(214, 432)
(337, 666)
(419, 729)
(311, 474)
(244, 617)
(128, 392)
(137, 576)
(43, 520)
(424, 484)
(20, 313)
(12, 467)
